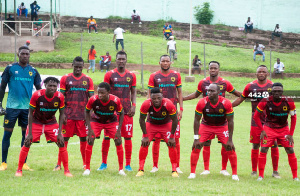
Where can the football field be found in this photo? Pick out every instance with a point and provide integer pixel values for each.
(43, 157)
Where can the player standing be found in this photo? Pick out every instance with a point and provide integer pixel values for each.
(169, 82)
(255, 91)
(277, 108)
(77, 89)
(104, 106)
(122, 84)
(20, 77)
(43, 106)
(214, 68)
(217, 120)
(161, 111)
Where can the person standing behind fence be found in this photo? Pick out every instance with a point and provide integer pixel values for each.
(171, 48)
(22, 10)
(34, 10)
(91, 58)
(118, 34)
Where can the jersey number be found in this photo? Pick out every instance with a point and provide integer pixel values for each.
(55, 132)
(128, 127)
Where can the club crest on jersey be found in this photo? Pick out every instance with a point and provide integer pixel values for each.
(269, 90)
(30, 73)
(173, 79)
(221, 87)
(164, 113)
(6, 121)
(84, 83)
(221, 111)
(111, 108)
(55, 104)
(251, 137)
(265, 142)
(128, 79)
(285, 108)
(63, 131)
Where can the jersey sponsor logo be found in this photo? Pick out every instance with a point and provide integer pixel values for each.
(6, 121)
(154, 118)
(285, 108)
(164, 113)
(77, 89)
(47, 110)
(221, 111)
(111, 108)
(84, 83)
(30, 73)
(121, 85)
(173, 79)
(23, 79)
(128, 79)
(280, 114)
(55, 104)
(104, 113)
(166, 85)
(63, 131)
(215, 115)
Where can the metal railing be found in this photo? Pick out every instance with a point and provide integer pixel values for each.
(35, 30)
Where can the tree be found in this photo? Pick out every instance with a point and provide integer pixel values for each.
(204, 15)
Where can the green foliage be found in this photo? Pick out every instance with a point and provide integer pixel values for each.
(117, 18)
(222, 27)
(204, 15)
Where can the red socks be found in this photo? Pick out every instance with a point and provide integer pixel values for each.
(293, 164)
(275, 158)
(142, 157)
(120, 154)
(254, 158)
(262, 163)
(178, 150)
(194, 159)
(88, 155)
(155, 152)
(173, 157)
(64, 157)
(59, 155)
(224, 158)
(105, 148)
(206, 156)
(82, 150)
(22, 157)
(233, 161)
(128, 150)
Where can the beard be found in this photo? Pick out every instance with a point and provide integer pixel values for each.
(165, 69)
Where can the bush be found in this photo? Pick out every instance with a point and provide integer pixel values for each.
(204, 15)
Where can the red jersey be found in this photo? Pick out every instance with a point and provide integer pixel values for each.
(276, 113)
(256, 93)
(45, 108)
(167, 82)
(104, 113)
(76, 94)
(224, 85)
(121, 85)
(214, 115)
(160, 115)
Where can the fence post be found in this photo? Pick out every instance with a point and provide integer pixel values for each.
(142, 67)
(204, 61)
(81, 45)
(270, 64)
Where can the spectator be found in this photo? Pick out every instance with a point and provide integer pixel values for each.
(91, 58)
(259, 49)
(118, 34)
(27, 43)
(106, 61)
(37, 25)
(278, 67)
(248, 25)
(135, 16)
(171, 48)
(22, 10)
(277, 32)
(196, 65)
(34, 10)
(91, 23)
(167, 30)
(10, 24)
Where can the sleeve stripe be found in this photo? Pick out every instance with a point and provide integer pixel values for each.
(120, 110)
(32, 106)
(143, 113)
(258, 109)
(230, 114)
(243, 96)
(88, 108)
(62, 108)
(62, 89)
(231, 91)
(173, 113)
(199, 91)
(91, 90)
(197, 112)
(179, 85)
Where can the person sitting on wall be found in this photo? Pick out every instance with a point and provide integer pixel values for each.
(248, 25)
(106, 61)
(277, 32)
(22, 10)
(279, 67)
(135, 16)
(91, 23)
(168, 30)
(196, 65)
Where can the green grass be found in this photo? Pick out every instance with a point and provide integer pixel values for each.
(231, 59)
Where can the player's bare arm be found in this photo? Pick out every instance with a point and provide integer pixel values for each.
(192, 96)
(293, 126)
(196, 144)
(237, 93)
(60, 138)
(2, 92)
(171, 140)
(91, 134)
(230, 145)
(28, 139)
(238, 101)
(114, 38)
(118, 139)
(131, 112)
(145, 140)
(180, 100)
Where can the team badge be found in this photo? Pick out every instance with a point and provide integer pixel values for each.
(55, 104)
(265, 142)
(111, 108)
(16, 72)
(84, 83)
(269, 90)
(63, 131)
(251, 137)
(128, 79)
(221, 87)
(6, 121)
(164, 113)
(30, 73)
(285, 108)
(221, 111)
(173, 79)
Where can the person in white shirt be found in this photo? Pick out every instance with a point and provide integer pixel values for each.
(277, 32)
(259, 49)
(22, 10)
(278, 67)
(118, 34)
(248, 25)
(135, 16)
(171, 48)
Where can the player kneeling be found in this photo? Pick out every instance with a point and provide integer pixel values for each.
(161, 111)
(217, 120)
(105, 107)
(42, 108)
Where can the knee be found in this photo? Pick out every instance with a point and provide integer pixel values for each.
(264, 149)
(289, 150)
(256, 146)
(207, 143)
(82, 139)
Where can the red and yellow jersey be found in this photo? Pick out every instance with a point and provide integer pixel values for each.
(104, 113)
(76, 94)
(214, 115)
(45, 108)
(159, 115)
(121, 85)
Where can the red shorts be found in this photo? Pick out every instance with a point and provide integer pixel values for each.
(127, 126)
(50, 131)
(276, 134)
(254, 135)
(110, 129)
(200, 133)
(206, 132)
(163, 131)
(177, 132)
(74, 127)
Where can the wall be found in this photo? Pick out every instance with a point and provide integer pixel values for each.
(264, 13)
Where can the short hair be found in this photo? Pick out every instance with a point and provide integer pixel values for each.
(165, 55)
(78, 59)
(121, 53)
(104, 85)
(262, 66)
(218, 87)
(214, 62)
(155, 90)
(23, 48)
(91, 17)
(277, 84)
(51, 78)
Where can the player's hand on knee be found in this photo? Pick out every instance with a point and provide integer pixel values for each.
(230, 146)
(145, 142)
(117, 135)
(2, 111)
(118, 141)
(60, 140)
(28, 139)
(171, 142)
(290, 139)
(197, 144)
